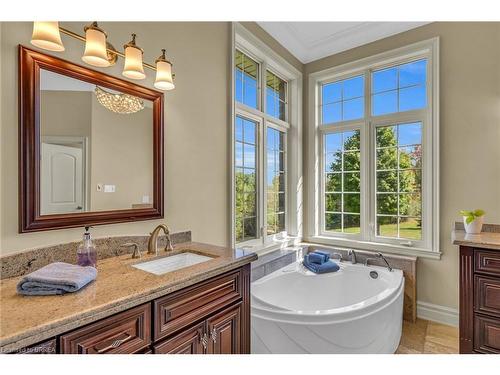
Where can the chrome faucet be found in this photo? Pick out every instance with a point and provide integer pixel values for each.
(153, 240)
(379, 256)
(352, 254)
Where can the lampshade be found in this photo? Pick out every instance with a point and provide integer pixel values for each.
(133, 61)
(46, 35)
(95, 46)
(164, 80)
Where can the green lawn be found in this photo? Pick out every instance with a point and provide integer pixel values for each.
(408, 229)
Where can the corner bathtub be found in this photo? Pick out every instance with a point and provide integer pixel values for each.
(348, 311)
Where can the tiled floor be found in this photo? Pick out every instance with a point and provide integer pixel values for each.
(428, 337)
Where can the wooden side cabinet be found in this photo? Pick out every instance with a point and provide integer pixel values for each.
(210, 317)
(479, 300)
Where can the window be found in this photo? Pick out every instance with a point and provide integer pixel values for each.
(377, 134)
(275, 96)
(246, 179)
(258, 137)
(342, 182)
(246, 78)
(343, 100)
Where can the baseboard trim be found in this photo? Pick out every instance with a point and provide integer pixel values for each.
(437, 313)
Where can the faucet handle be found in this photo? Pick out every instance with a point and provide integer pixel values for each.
(137, 252)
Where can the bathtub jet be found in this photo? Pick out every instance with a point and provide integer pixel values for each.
(350, 311)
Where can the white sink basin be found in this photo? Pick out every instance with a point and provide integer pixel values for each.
(171, 263)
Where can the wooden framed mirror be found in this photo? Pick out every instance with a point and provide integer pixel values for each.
(90, 146)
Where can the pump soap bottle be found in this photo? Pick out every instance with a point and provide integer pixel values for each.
(86, 253)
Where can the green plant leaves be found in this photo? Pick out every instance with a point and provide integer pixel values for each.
(478, 213)
(470, 216)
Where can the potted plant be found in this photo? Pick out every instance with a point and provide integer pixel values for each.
(473, 220)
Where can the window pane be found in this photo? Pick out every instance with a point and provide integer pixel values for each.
(413, 73)
(353, 109)
(352, 203)
(333, 162)
(352, 223)
(384, 80)
(387, 204)
(410, 180)
(387, 181)
(331, 113)
(333, 182)
(238, 129)
(333, 222)
(410, 204)
(386, 102)
(246, 77)
(387, 158)
(248, 156)
(353, 87)
(249, 130)
(238, 154)
(275, 96)
(410, 134)
(352, 182)
(386, 136)
(412, 98)
(249, 228)
(333, 202)
(333, 142)
(352, 161)
(410, 157)
(351, 140)
(332, 92)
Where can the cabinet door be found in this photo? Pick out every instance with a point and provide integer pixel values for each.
(188, 341)
(224, 331)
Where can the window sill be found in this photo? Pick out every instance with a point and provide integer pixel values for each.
(271, 246)
(375, 246)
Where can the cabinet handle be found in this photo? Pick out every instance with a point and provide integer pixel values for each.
(204, 340)
(113, 345)
(213, 335)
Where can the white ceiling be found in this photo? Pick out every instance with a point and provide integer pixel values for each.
(309, 41)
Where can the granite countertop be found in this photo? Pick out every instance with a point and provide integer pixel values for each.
(489, 238)
(26, 320)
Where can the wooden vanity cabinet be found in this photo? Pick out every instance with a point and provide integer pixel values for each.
(479, 300)
(210, 317)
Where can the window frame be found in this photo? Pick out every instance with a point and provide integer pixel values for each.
(428, 116)
(268, 60)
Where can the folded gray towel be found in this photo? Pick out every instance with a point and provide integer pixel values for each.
(56, 278)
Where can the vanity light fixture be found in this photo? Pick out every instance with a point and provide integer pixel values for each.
(164, 79)
(96, 53)
(99, 52)
(133, 60)
(46, 35)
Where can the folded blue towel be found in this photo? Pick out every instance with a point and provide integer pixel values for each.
(316, 258)
(326, 267)
(324, 254)
(56, 278)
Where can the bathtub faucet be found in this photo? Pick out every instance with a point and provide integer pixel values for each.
(379, 255)
(352, 254)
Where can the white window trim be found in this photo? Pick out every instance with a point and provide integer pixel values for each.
(430, 139)
(248, 43)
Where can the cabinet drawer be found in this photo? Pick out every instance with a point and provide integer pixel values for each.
(123, 333)
(486, 334)
(487, 295)
(179, 309)
(487, 262)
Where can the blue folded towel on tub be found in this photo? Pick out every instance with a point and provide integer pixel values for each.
(316, 258)
(325, 267)
(56, 278)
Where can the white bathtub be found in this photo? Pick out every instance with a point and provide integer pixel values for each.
(349, 311)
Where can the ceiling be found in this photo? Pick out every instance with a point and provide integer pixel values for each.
(309, 41)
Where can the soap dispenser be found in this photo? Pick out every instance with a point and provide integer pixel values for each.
(86, 253)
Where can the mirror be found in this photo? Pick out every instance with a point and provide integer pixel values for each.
(96, 150)
(99, 142)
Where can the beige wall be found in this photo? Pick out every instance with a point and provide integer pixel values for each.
(469, 134)
(196, 127)
(121, 155)
(65, 113)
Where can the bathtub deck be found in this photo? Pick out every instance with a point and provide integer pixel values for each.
(428, 337)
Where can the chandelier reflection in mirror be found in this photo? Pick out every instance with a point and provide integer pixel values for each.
(119, 103)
